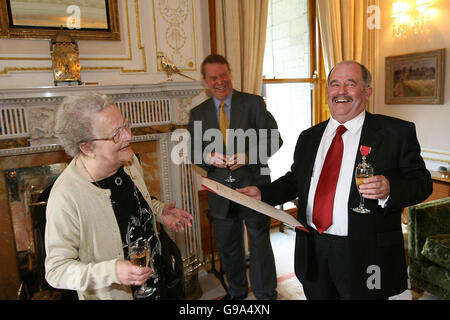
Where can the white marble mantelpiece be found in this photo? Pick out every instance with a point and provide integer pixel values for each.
(29, 112)
(175, 88)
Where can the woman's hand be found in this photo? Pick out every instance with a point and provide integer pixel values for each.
(131, 275)
(175, 218)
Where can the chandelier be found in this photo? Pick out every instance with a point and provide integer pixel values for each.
(410, 19)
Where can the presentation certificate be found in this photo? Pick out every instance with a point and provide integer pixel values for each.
(262, 207)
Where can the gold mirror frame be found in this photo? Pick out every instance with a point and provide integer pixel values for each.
(6, 31)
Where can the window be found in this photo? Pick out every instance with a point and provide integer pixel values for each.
(288, 49)
(289, 74)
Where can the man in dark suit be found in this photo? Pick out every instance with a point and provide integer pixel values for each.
(248, 142)
(356, 256)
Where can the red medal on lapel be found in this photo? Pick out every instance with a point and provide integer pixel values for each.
(365, 151)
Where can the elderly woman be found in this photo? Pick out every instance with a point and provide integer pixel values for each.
(100, 205)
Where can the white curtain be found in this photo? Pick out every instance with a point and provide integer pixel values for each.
(343, 31)
(345, 35)
(241, 38)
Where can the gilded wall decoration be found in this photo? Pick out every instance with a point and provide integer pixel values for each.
(131, 37)
(174, 32)
(87, 20)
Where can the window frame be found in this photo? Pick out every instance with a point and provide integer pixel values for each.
(316, 63)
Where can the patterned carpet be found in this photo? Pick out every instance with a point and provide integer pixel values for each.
(289, 288)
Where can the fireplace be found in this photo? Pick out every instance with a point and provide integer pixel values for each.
(31, 159)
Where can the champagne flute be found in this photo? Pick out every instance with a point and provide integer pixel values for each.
(363, 171)
(229, 179)
(140, 256)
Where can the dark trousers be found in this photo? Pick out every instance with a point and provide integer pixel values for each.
(332, 277)
(230, 244)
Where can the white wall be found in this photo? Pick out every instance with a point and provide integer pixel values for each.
(27, 63)
(432, 121)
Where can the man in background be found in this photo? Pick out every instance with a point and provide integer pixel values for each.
(234, 110)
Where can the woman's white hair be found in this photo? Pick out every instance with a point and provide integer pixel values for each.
(74, 119)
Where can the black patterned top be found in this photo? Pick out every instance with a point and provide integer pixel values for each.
(134, 215)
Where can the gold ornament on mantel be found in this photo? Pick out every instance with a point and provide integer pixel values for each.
(169, 67)
(65, 59)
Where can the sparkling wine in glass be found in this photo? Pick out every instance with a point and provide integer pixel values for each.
(363, 171)
(140, 256)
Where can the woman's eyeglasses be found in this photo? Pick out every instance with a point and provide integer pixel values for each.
(118, 134)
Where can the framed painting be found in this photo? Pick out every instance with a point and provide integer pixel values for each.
(42, 19)
(416, 78)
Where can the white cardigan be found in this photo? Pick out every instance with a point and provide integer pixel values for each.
(82, 237)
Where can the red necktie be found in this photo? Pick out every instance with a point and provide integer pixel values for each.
(326, 187)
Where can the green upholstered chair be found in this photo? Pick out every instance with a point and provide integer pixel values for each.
(429, 247)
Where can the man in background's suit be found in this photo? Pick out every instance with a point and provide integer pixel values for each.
(357, 256)
(247, 112)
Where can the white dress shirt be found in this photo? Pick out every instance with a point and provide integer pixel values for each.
(351, 140)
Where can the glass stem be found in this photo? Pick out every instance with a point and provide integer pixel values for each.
(361, 201)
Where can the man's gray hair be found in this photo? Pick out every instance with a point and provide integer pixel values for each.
(366, 75)
(74, 119)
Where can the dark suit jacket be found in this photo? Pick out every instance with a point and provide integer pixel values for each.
(248, 111)
(375, 239)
